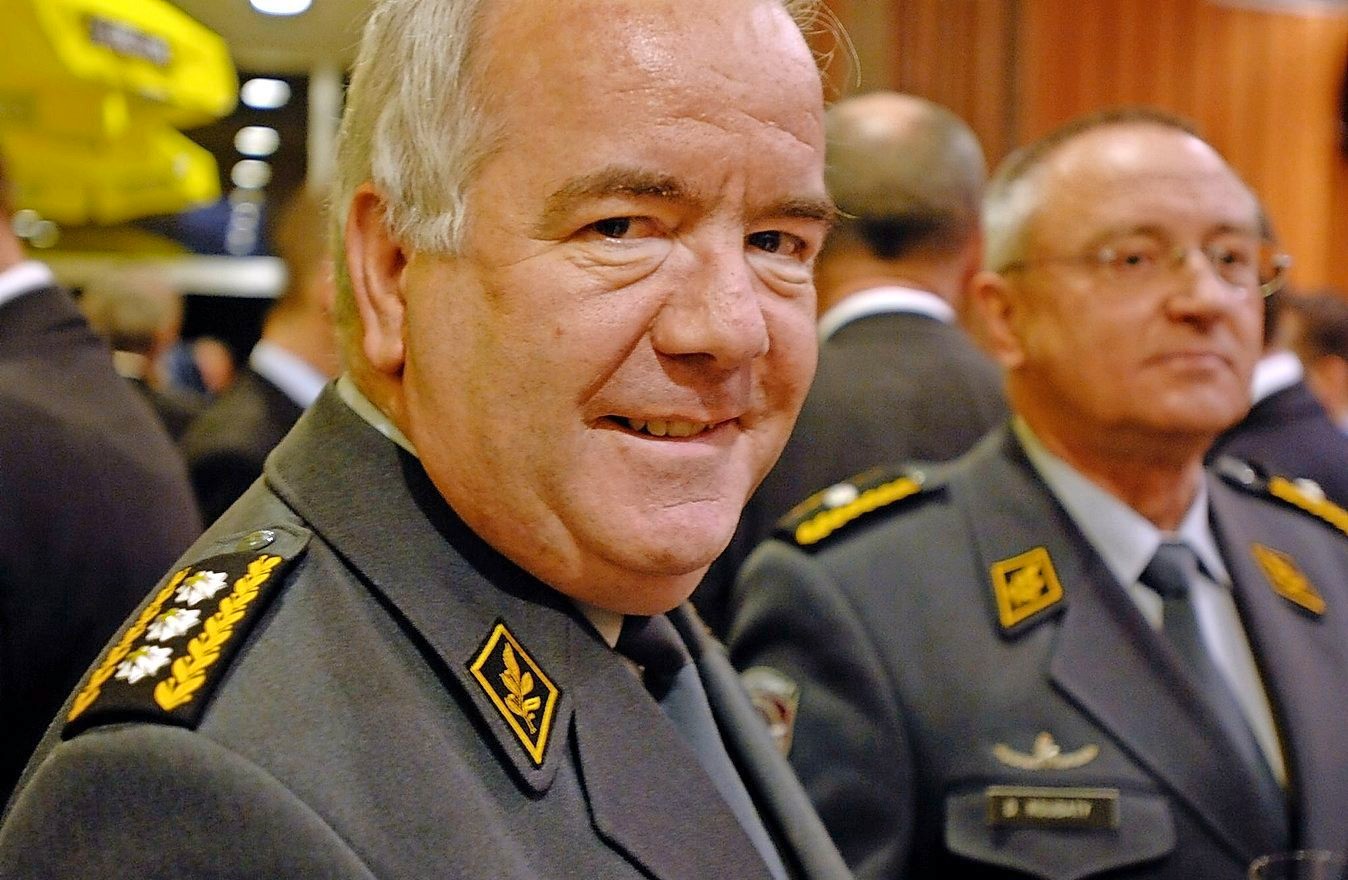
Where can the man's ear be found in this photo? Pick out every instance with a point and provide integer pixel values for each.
(376, 263)
(996, 303)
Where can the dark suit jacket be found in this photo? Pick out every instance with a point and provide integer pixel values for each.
(1289, 433)
(176, 410)
(94, 502)
(890, 387)
(911, 686)
(227, 444)
(350, 738)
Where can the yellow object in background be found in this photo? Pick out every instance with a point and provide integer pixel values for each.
(91, 92)
(154, 171)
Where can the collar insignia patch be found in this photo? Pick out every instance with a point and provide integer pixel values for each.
(1024, 585)
(1287, 579)
(165, 666)
(519, 689)
(1045, 754)
(777, 699)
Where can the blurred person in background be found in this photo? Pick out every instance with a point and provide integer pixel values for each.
(141, 317)
(1287, 430)
(898, 378)
(1076, 651)
(1319, 336)
(297, 354)
(95, 499)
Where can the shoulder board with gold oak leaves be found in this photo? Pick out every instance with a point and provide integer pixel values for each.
(165, 665)
(1302, 495)
(829, 513)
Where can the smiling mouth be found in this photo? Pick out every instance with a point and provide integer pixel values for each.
(665, 427)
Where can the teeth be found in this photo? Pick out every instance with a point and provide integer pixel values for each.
(667, 427)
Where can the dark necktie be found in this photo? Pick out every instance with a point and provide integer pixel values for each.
(672, 679)
(1171, 573)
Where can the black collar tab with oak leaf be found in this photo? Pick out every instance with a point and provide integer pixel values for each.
(164, 667)
(519, 689)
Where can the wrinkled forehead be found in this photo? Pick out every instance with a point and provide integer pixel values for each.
(751, 52)
(1140, 176)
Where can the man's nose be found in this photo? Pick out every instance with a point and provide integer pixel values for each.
(1201, 285)
(717, 312)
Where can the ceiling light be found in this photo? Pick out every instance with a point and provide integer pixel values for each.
(265, 94)
(250, 174)
(256, 140)
(280, 7)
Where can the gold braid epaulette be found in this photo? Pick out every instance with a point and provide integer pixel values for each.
(169, 662)
(815, 519)
(90, 691)
(1322, 508)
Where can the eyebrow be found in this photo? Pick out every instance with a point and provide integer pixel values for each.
(1158, 231)
(630, 182)
(612, 181)
(821, 209)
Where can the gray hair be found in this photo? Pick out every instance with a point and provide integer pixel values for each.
(415, 126)
(1014, 195)
(414, 123)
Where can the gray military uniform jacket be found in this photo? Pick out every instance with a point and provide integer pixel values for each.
(964, 636)
(404, 703)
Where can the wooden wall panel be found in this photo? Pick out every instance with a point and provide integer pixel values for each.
(1261, 85)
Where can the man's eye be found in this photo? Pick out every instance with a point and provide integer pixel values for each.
(774, 241)
(1233, 256)
(613, 227)
(1130, 259)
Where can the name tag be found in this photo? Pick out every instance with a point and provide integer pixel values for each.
(1029, 806)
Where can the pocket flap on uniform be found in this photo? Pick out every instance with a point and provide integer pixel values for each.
(1058, 833)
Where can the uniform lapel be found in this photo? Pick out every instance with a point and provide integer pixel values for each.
(1302, 658)
(782, 804)
(1106, 659)
(648, 794)
(448, 590)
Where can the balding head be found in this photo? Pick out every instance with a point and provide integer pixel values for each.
(908, 174)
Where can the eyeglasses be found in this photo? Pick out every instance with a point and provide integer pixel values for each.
(1245, 263)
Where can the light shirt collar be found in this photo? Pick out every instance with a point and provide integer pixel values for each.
(361, 406)
(26, 276)
(880, 300)
(1125, 539)
(1275, 372)
(287, 371)
(608, 623)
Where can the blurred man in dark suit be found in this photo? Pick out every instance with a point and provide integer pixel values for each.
(94, 501)
(1287, 430)
(898, 378)
(297, 354)
(1320, 338)
(141, 317)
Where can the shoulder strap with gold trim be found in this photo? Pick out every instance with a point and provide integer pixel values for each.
(831, 512)
(167, 662)
(1303, 495)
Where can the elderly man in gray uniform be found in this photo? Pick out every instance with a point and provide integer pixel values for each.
(1075, 652)
(446, 635)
